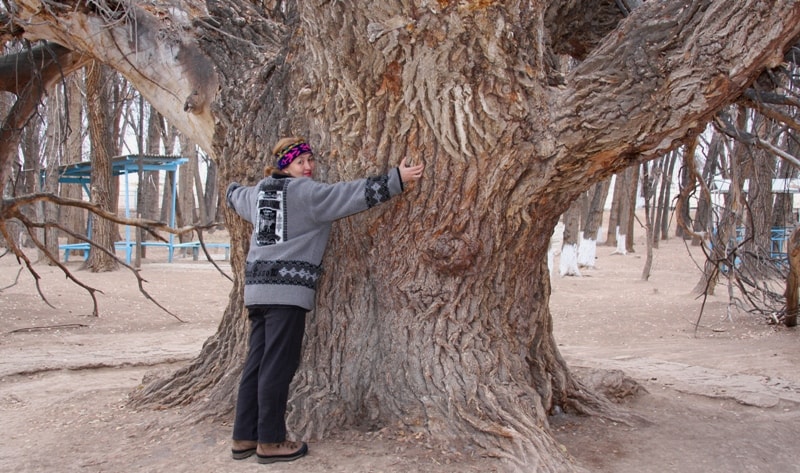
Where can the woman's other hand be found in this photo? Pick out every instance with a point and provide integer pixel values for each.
(410, 173)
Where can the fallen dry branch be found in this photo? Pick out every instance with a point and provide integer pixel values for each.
(47, 327)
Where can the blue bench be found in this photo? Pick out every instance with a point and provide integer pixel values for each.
(128, 246)
(120, 245)
(75, 247)
(195, 247)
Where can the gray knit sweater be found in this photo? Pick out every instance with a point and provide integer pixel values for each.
(292, 220)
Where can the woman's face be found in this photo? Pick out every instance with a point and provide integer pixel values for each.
(302, 166)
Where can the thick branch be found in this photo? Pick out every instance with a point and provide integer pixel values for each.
(610, 117)
(727, 127)
(155, 51)
(753, 100)
(29, 74)
(45, 64)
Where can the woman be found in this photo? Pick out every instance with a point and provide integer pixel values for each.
(291, 216)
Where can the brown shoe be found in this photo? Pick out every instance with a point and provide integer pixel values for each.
(280, 452)
(241, 449)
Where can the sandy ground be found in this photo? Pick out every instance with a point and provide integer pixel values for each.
(722, 398)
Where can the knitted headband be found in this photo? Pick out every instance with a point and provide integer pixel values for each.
(288, 154)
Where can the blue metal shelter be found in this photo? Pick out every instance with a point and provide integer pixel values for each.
(80, 173)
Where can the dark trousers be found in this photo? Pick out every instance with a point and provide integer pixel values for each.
(276, 339)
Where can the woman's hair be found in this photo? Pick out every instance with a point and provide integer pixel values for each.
(284, 142)
(269, 170)
(272, 165)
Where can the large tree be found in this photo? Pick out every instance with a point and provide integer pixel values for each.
(433, 314)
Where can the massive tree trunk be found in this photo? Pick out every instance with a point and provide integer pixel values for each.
(433, 314)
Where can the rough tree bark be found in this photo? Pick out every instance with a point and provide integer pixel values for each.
(457, 343)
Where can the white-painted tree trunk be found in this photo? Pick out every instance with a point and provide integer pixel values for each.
(587, 252)
(568, 264)
(622, 242)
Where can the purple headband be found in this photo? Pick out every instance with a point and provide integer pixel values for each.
(289, 153)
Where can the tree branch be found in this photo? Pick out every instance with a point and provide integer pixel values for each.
(611, 116)
(11, 209)
(757, 101)
(724, 124)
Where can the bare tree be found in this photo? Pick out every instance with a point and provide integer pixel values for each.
(211, 196)
(662, 217)
(630, 208)
(72, 218)
(613, 215)
(98, 96)
(702, 223)
(587, 250)
(509, 143)
(758, 170)
(54, 144)
(623, 208)
(649, 178)
(568, 264)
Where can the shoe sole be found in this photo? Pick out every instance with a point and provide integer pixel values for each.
(242, 454)
(267, 459)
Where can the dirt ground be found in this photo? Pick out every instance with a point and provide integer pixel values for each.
(722, 398)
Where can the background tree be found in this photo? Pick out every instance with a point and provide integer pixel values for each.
(569, 246)
(623, 206)
(758, 170)
(102, 134)
(509, 143)
(663, 210)
(55, 134)
(702, 223)
(587, 251)
(72, 151)
(649, 176)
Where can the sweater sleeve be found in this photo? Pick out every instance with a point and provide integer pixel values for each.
(241, 199)
(330, 202)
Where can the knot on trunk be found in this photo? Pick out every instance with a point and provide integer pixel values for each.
(452, 254)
